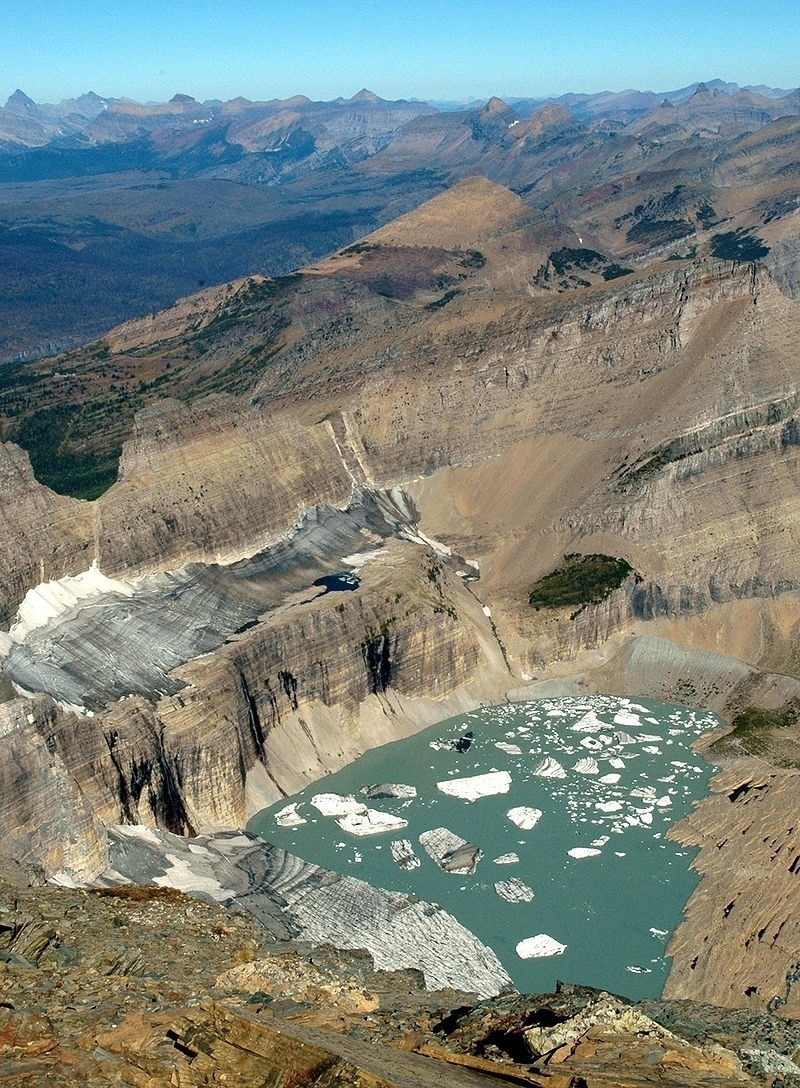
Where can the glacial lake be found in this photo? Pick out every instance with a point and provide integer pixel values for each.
(581, 863)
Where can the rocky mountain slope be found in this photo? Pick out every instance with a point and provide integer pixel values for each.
(112, 208)
(477, 388)
(86, 996)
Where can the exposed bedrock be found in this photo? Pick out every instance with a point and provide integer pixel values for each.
(739, 944)
(214, 481)
(279, 705)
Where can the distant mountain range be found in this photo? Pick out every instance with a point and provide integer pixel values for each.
(113, 208)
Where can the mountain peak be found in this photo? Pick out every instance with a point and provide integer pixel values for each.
(496, 105)
(182, 100)
(19, 102)
(366, 96)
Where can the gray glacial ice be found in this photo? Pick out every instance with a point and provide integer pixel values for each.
(295, 900)
(99, 649)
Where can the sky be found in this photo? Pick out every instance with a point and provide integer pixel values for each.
(442, 50)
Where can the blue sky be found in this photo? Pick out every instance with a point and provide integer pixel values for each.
(434, 49)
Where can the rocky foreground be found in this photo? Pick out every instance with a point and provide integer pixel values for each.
(147, 987)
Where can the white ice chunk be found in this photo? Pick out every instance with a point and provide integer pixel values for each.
(513, 890)
(478, 785)
(583, 852)
(335, 804)
(608, 806)
(588, 765)
(403, 854)
(524, 817)
(589, 723)
(289, 816)
(615, 761)
(371, 822)
(540, 945)
(610, 779)
(507, 859)
(625, 717)
(511, 749)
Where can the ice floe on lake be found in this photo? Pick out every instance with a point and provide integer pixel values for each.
(403, 854)
(514, 890)
(507, 859)
(370, 822)
(478, 785)
(524, 817)
(450, 852)
(540, 945)
(389, 789)
(335, 804)
(289, 817)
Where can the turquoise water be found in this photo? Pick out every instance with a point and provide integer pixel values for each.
(627, 773)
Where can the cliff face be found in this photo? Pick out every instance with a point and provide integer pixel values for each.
(278, 706)
(651, 418)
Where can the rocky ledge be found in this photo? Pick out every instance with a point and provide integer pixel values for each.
(148, 987)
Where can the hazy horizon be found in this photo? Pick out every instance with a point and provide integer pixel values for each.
(431, 50)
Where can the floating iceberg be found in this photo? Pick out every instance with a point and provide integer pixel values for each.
(524, 817)
(450, 852)
(608, 806)
(289, 816)
(540, 945)
(335, 804)
(370, 822)
(588, 765)
(403, 854)
(513, 890)
(389, 789)
(478, 785)
(509, 749)
(583, 852)
(507, 859)
(549, 768)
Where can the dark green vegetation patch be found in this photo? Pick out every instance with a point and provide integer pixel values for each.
(69, 469)
(580, 580)
(738, 245)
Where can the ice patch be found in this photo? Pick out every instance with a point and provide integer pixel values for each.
(335, 804)
(371, 822)
(450, 852)
(478, 785)
(524, 817)
(588, 765)
(589, 723)
(549, 768)
(507, 859)
(583, 852)
(510, 749)
(403, 854)
(540, 945)
(289, 817)
(513, 890)
(49, 600)
(625, 717)
(610, 779)
(608, 806)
